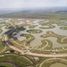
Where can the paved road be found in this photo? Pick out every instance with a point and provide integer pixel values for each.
(36, 54)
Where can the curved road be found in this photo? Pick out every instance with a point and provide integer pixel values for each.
(35, 54)
(32, 54)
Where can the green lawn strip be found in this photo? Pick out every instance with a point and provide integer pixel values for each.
(47, 27)
(29, 37)
(46, 44)
(32, 26)
(49, 44)
(34, 31)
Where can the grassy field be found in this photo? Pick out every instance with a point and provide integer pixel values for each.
(19, 61)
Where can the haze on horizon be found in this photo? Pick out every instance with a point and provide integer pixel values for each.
(30, 4)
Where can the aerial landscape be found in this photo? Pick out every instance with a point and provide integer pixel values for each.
(33, 37)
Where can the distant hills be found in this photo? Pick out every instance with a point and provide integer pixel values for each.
(34, 12)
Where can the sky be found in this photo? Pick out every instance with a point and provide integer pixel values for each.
(31, 4)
